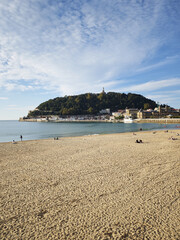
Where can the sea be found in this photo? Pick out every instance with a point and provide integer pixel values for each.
(12, 129)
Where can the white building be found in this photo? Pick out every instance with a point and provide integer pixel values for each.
(116, 114)
(105, 111)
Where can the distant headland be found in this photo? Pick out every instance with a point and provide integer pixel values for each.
(103, 106)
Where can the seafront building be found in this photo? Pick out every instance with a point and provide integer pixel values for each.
(160, 112)
(106, 115)
(131, 112)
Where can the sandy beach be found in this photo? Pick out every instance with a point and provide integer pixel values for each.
(92, 187)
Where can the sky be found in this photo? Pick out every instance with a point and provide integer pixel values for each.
(53, 48)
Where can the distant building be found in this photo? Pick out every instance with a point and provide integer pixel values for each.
(54, 118)
(111, 118)
(105, 111)
(116, 114)
(131, 112)
(144, 114)
(103, 90)
(158, 112)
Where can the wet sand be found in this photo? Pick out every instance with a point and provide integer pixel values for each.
(91, 187)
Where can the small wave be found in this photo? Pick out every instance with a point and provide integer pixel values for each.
(93, 134)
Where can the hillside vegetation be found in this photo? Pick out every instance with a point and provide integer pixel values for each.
(91, 103)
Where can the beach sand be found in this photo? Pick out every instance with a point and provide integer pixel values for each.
(91, 187)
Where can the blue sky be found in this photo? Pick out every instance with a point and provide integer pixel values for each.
(51, 48)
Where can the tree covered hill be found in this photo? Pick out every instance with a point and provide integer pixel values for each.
(91, 103)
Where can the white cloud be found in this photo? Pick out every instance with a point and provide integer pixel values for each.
(170, 99)
(11, 105)
(3, 98)
(153, 85)
(75, 47)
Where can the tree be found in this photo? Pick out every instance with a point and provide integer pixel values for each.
(91, 103)
(90, 110)
(65, 111)
(146, 106)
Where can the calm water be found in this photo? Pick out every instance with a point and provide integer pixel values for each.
(10, 130)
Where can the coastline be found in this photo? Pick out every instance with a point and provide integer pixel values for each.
(91, 187)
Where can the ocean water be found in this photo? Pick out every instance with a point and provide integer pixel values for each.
(11, 130)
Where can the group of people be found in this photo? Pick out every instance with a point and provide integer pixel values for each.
(56, 138)
(172, 138)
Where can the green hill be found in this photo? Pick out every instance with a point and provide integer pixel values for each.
(91, 103)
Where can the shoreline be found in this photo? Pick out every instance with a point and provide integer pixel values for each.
(96, 134)
(146, 120)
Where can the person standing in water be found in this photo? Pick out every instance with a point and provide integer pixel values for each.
(21, 137)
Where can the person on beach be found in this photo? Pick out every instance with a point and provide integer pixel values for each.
(21, 137)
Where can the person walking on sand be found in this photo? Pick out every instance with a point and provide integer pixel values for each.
(21, 137)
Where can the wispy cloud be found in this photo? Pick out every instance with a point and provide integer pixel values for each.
(77, 46)
(153, 85)
(20, 108)
(170, 98)
(3, 98)
(166, 61)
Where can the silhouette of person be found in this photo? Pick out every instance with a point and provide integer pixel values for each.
(21, 137)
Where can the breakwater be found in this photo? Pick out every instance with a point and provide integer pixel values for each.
(159, 120)
(64, 120)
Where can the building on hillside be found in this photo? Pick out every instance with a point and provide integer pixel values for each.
(53, 118)
(145, 114)
(103, 91)
(167, 111)
(112, 118)
(159, 112)
(105, 111)
(122, 111)
(131, 112)
(117, 114)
